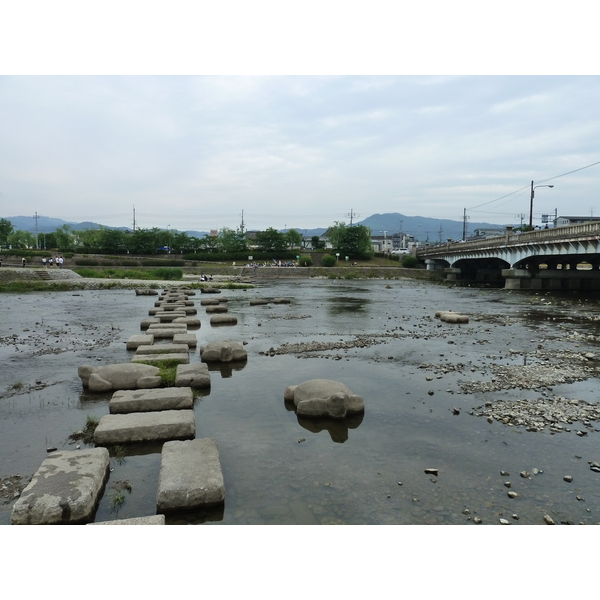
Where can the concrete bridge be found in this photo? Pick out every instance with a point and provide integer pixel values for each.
(558, 258)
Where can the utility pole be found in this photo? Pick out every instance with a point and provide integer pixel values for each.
(242, 225)
(464, 236)
(352, 215)
(134, 218)
(440, 233)
(37, 241)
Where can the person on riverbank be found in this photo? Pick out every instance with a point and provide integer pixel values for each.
(23, 262)
(50, 262)
(44, 262)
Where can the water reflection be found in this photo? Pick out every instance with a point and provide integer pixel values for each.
(339, 305)
(197, 517)
(337, 428)
(226, 369)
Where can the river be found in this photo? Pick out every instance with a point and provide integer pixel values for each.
(420, 378)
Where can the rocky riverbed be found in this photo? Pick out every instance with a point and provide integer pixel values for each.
(449, 407)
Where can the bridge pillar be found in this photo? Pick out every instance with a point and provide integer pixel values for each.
(452, 273)
(517, 279)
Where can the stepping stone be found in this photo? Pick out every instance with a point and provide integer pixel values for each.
(282, 300)
(180, 359)
(146, 292)
(195, 375)
(210, 302)
(223, 351)
(145, 427)
(65, 489)
(258, 301)
(172, 325)
(210, 290)
(162, 349)
(216, 309)
(168, 317)
(145, 323)
(185, 338)
(153, 520)
(128, 401)
(192, 322)
(223, 320)
(135, 341)
(190, 476)
(163, 333)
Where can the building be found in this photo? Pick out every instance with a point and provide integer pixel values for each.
(562, 221)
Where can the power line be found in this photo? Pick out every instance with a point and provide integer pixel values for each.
(538, 182)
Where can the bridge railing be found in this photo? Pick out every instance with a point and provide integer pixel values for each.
(513, 238)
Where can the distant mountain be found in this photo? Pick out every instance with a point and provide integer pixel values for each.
(422, 228)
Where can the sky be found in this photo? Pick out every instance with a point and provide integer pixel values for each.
(202, 151)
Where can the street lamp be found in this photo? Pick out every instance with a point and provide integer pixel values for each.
(531, 202)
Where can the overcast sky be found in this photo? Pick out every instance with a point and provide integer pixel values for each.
(193, 152)
(81, 138)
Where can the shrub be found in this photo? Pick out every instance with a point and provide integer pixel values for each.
(305, 261)
(409, 261)
(86, 262)
(167, 273)
(328, 260)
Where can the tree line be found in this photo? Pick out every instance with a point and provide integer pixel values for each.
(353, 241)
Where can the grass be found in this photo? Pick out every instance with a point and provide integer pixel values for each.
(167, 370)
(86, 435)
(161, 273)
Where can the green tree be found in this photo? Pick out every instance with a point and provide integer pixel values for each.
(64, 237)
(232, 240)
(89, 238)
(21, 240)
(6, 228)
(293, 237)
(142, 241)
(270, 240)
(316, 242)
(181, 242)
(112, 241)
(352, 241)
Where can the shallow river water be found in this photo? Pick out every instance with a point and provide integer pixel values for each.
(278, 469)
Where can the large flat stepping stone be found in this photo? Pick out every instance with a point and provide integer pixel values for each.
(128, 401)
(219, 308)
(185, 338)
(192, 322)
(152, 520)
(223, 320)
(209, 302)
(162, 349)
(145, 323)
(65, 489)
(135, 341)
(195, 375)
(173, 325)
(165, 333)
(258, 301)
(145, 427)
(210, 290)
(179, 358)
(190, 476)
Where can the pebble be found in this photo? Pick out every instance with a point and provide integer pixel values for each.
(507, 484)
(477, 520)
(431, 472)
(549, 520)
(512, 494)
(505, 473)
(504, 522)
(568, 478)
(525, 474)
